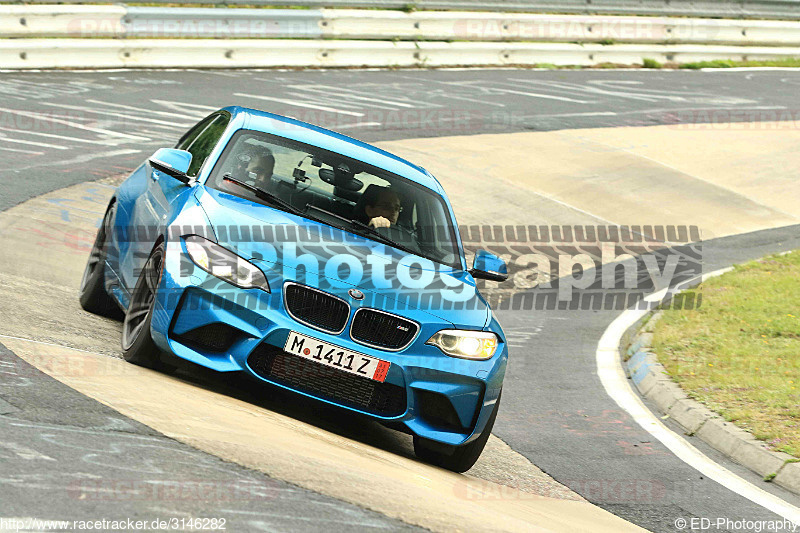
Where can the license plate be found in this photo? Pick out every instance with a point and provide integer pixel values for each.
(337, 357)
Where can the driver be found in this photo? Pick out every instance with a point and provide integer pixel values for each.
(256, 168)
(383, 208)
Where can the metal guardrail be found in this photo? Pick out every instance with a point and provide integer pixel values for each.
(765, 9)
(117, 36)
(221, 23)
(260, 53)
(204, 23)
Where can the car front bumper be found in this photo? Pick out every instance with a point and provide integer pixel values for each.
(217, 325)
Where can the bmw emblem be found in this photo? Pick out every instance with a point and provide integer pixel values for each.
(356, 294)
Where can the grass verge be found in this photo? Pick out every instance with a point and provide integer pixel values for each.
(792, 62)
(739, 352)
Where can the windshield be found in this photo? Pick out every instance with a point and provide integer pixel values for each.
(336, 190)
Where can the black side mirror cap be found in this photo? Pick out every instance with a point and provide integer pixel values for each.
(169, 171)
(491, 276)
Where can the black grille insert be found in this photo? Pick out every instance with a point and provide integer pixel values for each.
(382, 330)
(316, 308)
(216, 337)
(384, 399)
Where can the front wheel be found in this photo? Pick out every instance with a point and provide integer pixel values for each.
(455, 458)
(92, 294)
(137, 344)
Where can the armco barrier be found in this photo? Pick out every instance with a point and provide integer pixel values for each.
(461, 26)
(146, 22)
(60, 21)
(775, 9)
(149, 22)
(250, 53)
(160, 22)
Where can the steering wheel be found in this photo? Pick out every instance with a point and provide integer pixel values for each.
(400, 235)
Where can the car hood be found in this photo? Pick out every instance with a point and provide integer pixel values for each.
(292, 248)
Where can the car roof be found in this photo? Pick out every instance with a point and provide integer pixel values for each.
(334, 142)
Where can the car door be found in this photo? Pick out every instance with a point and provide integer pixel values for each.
(152, 208)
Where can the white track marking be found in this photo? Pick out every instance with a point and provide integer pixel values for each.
(118, 114)
(540, 95)
(300, 104)
(54, 136)
(454, 97)
(616, 384)
(24, 452)
(20, 151)
(467, 99)
(598, 91)
(83, 158)
(356, 125)
(132, 108)
(75, 125)
(349, 93)
(32, 143)
(202, 110)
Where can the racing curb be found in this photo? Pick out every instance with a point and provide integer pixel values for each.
(654, 383)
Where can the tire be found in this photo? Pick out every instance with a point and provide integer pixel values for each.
(92, 293)
(455, 458)
(137, 344)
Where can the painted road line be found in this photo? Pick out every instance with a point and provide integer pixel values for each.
(83, 158)
(481, 101)
(612, 376)
(201, 110)
(141, 110)
(357, 125)
(73, 124)
(33, 143)
(54, 136)
(585, 89)
(17, 150)
(349, 93)
(118, 114)
(540, 95)
(300, 104)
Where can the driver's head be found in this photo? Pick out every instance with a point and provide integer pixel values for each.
(385, 204)
(260, 168)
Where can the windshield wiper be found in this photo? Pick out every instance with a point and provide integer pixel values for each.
(264, 195)
(369, 229)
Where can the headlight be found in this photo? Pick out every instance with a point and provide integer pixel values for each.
(224, 264)
(465, 343)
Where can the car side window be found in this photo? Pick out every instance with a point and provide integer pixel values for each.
(189, 137)
(203, 144)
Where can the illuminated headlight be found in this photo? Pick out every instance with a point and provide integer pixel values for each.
(224, 264)
(466, 344)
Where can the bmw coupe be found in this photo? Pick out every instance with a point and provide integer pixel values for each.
(310, 261)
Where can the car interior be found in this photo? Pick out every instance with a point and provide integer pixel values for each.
(330, 187)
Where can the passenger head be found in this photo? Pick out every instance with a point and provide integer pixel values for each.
(260, 168)
(384, 202)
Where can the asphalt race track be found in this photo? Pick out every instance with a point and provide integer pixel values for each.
(63, 129)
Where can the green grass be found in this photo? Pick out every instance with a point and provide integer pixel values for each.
(727, 63)
(739, 352)
(650, 63)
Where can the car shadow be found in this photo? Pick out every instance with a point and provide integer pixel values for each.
(330, 418)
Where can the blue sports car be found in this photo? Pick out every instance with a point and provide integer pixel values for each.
(311, 261)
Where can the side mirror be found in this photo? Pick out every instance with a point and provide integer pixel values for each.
(174, 163)
(488, 266)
